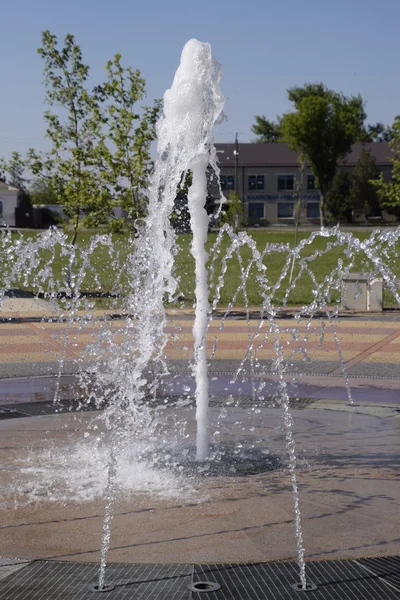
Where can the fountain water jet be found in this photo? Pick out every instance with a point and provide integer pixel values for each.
(192, 106)
(199, 216)
(196, 101)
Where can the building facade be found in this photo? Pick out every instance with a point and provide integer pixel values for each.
(8, 204)
(270, 180)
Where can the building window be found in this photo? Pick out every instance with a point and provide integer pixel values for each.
(256, 182)
(1, 208)
(313, 210)
(227, 182)
(285, 210)
(255, 211)
(285, 182)
(311, 182)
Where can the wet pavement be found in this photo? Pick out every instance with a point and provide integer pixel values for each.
(54, 476)
(53, 466)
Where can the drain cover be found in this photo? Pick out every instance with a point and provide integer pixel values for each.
(310, 587)
(225, 460)
(204, 586)
(103, 588)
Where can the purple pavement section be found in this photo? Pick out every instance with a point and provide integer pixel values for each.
(379, 392)
(25, 390)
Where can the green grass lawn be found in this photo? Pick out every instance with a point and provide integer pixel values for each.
(322, 267)
(107, 271)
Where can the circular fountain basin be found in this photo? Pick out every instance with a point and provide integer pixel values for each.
(228, 459)
(53, 481)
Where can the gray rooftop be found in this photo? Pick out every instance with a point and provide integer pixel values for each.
(259, 155)
(5, 187)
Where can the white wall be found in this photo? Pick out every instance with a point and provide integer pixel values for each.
(9, 201)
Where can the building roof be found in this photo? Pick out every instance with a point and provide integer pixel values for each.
(261, 155)
(4, 187)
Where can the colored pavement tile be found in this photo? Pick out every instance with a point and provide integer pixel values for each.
(361, 341)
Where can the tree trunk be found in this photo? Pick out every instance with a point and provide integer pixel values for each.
(75, 229)
(74, 236)
(322, 210)
(297, 223)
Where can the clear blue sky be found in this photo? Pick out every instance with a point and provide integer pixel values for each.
(264, 46)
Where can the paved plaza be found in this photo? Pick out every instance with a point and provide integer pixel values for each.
(348, 457)
(33, 343)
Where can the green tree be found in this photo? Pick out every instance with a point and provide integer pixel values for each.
(323, 127)
(180, 217)
(124, 150)
(299, 205)
(338, 201)
(389, 191)
(73, 129)
(234, 213)
(267, 131)
(377, 132)
(41, 192)
(364, 196)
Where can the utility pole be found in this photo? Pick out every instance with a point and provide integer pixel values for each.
(236, 153)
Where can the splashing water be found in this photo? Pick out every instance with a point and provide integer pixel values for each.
(128, 363)
(191, 107)
(112, 363)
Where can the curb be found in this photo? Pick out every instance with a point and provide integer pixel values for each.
(254, 314)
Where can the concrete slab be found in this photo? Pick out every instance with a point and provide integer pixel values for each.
(8, 566)
(14, 307)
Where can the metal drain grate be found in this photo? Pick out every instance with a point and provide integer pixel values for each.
(336, 580)
(35, 409)
(54, 580)
(267, 402)
(239, 401)
(8, 412)
(387, 568)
